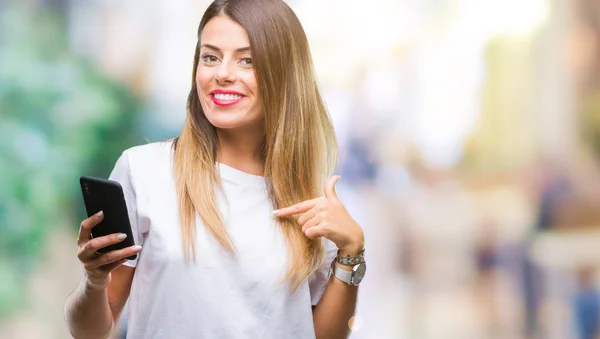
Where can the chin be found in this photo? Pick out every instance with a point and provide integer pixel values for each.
(225, 120)
(230, 118)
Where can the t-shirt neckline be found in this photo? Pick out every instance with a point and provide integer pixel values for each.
(237, 176)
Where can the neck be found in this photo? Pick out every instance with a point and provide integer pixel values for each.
(241, 150)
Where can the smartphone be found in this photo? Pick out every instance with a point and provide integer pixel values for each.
(107, 196)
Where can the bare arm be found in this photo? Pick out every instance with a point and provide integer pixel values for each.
(336, 307)
(93, 309)
(327, 217)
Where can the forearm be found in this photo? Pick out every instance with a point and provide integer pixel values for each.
(336, 307)
(88, 313)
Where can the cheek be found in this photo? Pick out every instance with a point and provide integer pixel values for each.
(252, 85)
(203, 78)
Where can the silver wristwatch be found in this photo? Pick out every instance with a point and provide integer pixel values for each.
(353, 277)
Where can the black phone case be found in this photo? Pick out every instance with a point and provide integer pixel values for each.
(107, 196)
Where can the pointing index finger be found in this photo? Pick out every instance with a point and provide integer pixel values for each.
(298, 208)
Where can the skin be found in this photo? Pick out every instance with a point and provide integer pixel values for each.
(326, 217)
(229, 67)
(94, 308)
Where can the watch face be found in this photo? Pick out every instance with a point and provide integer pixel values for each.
(359, 273)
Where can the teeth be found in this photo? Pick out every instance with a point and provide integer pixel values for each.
(227, 97)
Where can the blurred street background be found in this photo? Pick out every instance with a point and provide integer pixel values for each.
(469, 135)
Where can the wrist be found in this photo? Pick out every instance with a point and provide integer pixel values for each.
(96, 284)
(350, 274)
(351, 250)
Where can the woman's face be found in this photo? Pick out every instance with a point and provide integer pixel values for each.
(225, 78)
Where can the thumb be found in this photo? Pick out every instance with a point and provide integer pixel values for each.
(330, 188)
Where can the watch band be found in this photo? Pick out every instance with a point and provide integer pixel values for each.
(343, 275)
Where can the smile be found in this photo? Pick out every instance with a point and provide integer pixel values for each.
(225, 98)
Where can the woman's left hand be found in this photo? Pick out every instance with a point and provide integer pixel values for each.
(327, 217)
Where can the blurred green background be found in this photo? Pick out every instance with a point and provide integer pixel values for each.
(60, 118)
(469, 135)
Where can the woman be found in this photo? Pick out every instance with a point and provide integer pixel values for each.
(237, 236)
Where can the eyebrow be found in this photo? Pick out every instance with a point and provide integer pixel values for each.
(243, 49)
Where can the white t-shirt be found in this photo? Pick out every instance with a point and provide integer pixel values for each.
(218, 296)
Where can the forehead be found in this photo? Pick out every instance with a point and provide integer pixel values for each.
(224, 33)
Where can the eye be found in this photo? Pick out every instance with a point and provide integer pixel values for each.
(209, 58)
(246, 61)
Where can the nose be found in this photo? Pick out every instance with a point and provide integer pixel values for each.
(225, 73)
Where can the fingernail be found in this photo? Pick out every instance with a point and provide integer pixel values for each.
(121, 236)
(137, 248)
(275, 211)
(100, 214)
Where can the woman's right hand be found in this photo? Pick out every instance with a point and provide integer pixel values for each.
(99, 265)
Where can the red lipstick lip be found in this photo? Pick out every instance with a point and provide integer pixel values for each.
(225, 102)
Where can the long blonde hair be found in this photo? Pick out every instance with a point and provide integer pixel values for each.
(299, 148)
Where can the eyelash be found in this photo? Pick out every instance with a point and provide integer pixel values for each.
(204, 57)
(249, 63)
(207, 57)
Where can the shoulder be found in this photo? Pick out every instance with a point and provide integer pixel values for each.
(150, 151)
(145, 161)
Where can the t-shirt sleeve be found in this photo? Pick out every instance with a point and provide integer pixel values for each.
(122, 174)
(318, 281)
